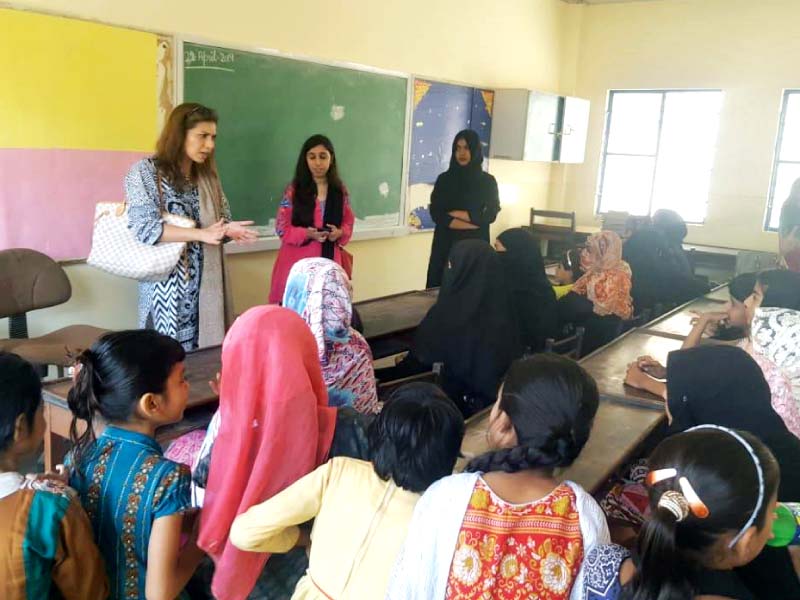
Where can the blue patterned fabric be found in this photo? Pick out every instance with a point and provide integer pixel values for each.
(125, 484)
(170, 306)
(601, 572)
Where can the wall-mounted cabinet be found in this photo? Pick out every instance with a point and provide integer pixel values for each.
(534, 126)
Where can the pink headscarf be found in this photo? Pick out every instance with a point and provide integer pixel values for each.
(607, 278)
(276, 426)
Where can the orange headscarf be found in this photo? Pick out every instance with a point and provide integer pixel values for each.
(607, 278)
(276, 426)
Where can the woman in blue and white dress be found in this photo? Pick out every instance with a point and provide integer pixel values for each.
(181, 178)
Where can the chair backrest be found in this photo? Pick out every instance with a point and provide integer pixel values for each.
(569, 346)
(30, 280)
(616, 221)
(552, 214)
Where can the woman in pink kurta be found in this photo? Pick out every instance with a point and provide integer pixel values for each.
(314, 217)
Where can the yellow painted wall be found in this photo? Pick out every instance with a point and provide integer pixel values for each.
(510, 43)
(747, 48)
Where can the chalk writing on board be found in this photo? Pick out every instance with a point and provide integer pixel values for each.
(209, 58)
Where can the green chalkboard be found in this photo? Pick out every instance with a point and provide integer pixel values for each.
(268, 105)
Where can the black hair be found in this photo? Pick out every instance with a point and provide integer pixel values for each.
(741, 286)
(724, 476)
(551, 401)
(20, 394)
(571, 261)
(781, 288)
(416, 438)
(115, 373)
(305, 188)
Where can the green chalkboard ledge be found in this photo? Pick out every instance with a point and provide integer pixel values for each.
(263, 244)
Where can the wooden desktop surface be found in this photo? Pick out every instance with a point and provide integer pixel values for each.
(395, 314)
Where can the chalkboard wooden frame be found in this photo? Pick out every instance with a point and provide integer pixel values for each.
(272, 242)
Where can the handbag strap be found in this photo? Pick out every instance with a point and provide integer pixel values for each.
(161, 207)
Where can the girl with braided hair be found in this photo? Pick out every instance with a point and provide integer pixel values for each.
(508, 527)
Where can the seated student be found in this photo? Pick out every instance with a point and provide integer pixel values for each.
(361, 510)
(471, 329)
(777, 289)
(319, 291)
(775, 333)
(660, 266)
(723, 385)
(273, 426)
(712, 494)
(531, 293)
(46, 542)
(601, 298)
(729, 324)
(135, 498)
(568, 272)
(472, 534)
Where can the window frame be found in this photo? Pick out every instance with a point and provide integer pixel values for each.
(776, 160)
(607, 130)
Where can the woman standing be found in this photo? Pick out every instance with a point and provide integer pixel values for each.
(314, 217)
(182, 179)
(464, 202)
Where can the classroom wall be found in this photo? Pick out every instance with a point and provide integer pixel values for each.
(513, 43)
(748, 49)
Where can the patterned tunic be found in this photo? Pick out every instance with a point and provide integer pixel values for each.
(125, 484)
(46, 543)
(601, 572)
(170, 306)
(517, 551)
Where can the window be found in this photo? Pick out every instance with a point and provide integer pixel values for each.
(658, 151)
(786, 169)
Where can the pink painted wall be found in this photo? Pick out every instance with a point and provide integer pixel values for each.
(47, 197)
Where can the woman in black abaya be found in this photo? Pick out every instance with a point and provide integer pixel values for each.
(464, 202)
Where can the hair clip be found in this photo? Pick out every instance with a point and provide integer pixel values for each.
(697, 506)
(654, 477)
(675, 503)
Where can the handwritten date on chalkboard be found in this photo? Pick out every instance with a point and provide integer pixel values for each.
(209, 58)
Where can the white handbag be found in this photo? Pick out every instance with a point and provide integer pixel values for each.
(117, 251)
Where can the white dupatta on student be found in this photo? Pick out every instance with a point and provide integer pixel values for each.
(423, 565)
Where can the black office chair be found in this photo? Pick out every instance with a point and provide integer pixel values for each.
(569, 346)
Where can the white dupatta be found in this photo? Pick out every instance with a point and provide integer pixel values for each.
(423, 564)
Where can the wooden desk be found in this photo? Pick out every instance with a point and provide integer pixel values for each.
(719, 293)
(618, 431)
(201, 367)
(389, 322)
(608, 366)
(677, 323)
(626, 419)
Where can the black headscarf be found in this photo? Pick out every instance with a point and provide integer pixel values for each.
(470, 328)
(723, 385)
(533, 297)
(468, 187)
